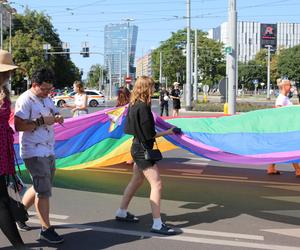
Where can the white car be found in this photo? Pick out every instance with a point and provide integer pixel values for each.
(95, 98)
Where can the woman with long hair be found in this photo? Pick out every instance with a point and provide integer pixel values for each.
(123, 96)
(7, 164)
(140, 124)
(80, 100)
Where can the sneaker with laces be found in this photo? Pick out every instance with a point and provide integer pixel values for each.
(22, 226)
(51, 236)
(165, 230)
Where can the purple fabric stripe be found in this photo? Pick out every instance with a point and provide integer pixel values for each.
(219, 155)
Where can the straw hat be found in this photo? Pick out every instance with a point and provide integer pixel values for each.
(6, 62)
(176, 83)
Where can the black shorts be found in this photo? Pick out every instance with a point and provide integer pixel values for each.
(176, 104)
(138, 156)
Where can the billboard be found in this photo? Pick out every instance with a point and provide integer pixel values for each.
(268, 35)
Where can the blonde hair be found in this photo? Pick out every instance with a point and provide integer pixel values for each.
(142, 90)
(282, 82)
(79, 85)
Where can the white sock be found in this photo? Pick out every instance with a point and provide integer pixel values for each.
(121, 213)
(157, 223)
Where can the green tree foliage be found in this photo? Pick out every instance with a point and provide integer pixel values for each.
(211, 64)
(257, 69)
(30, 31)
(94, 76)
(289, 63)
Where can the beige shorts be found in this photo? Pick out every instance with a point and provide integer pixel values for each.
(42, 170)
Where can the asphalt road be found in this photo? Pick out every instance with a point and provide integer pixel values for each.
(212, 205)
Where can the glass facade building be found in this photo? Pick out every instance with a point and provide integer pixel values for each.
(116, 48)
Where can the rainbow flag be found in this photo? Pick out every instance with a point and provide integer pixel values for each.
(258, 137)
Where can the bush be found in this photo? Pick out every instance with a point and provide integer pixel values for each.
(219, 107)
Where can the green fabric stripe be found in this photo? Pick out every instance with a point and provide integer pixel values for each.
(285, 119)
(96, 151)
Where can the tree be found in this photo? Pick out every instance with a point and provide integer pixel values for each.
(289, 63)
(94, 75)
(30, 32)
(211, 63)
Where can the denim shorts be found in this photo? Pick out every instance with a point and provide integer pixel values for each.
(42, 170)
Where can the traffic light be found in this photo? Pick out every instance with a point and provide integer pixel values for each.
(85, 52)
(67, 53)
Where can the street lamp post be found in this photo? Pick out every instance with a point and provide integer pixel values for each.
(188, 57)
(268, 72)
(231, 57)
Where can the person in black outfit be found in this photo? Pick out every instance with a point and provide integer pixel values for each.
(164, 98)
(7, 167)
(175, 95)
(140, 124)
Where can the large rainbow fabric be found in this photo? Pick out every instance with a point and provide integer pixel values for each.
(257, 137)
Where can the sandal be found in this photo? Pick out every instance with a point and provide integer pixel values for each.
(129, 218)
(165, 230)
(276, 172)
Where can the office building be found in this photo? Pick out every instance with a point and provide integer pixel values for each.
(253, 36)
(144, 65)
(116, 49)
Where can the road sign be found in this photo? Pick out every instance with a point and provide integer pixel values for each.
(255, 81)
(128, 79)
(205, 88)
(228, 50)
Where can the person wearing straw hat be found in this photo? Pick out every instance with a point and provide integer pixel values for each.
(7, 164)
(35, 115)
(175, 95)
(281, 101)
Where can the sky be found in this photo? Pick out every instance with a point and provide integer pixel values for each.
(83, 21)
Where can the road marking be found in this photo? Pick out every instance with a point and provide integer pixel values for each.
(292, 232)
(141, 234)
(219, 176)
(52, 216)
(223, 234)
(295, 199)
(205, 178)
(290, 213)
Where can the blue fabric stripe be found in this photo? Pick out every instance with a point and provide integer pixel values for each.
(250, 143)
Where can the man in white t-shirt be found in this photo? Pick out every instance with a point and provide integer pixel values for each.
(283, 100)
(35, 115)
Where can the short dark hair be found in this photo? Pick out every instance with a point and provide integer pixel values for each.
(43, 75)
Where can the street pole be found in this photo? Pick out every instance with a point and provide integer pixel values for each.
(128, 56)
(120, 79)
(196, 68)
(101, 78)
(142, 62)
(10, 14)
(268, 72)
(231, 57)
(160, 67)
(1, 31)
(188, 57)
(110, 78)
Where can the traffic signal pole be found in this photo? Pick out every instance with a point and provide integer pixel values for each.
(188, 95)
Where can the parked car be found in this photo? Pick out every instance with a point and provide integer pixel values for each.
(95, 98)
(55, 92)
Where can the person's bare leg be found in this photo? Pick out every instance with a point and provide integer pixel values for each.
(153, 177)
(271, 169)
(29, 197)
(135, 182)
(297, 168)
(42, 208)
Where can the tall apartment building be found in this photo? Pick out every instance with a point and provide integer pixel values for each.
(252, 37)
(116, 49)
(144, 65)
